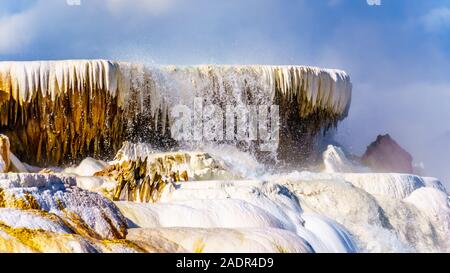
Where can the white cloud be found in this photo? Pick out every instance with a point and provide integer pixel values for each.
(16, 32)
(437, 19)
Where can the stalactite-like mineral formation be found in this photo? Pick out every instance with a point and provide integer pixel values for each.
(59, 111)
(62, 111)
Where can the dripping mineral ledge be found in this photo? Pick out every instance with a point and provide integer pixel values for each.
(58, 111)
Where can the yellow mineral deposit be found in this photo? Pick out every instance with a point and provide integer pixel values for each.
(22, 240)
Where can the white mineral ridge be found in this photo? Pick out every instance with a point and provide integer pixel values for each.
(87, 167)
(85, 179)
(238, 205)
(274, 199)
(334, 236)
(395, 185)
(220, 240)
(96, 184)
(435, 183)
(430, 200)
(436, 205)
(335, 161)
(30, 219)
(226, 213)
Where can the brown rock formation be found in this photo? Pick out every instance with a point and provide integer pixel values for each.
(385, 155)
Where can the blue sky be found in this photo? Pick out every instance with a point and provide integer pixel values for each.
(397, 54)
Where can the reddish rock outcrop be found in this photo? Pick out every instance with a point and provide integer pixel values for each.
(385, 155)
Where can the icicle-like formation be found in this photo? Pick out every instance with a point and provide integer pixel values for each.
(315, 89)
(23, 80)
(312, 88)
(57, 111)
(325, 89)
